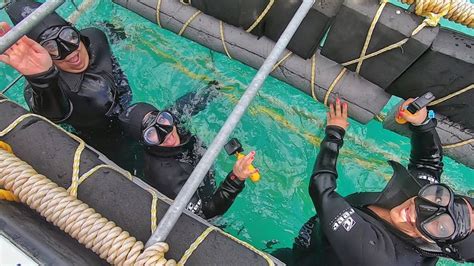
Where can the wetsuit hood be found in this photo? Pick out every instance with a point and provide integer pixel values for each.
(20, 9)
(400, 188)
(131, 119)
(187, 144)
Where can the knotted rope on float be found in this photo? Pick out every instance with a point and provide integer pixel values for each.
(459, 11)
(76, 218)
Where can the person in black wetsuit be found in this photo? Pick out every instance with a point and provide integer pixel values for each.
(171, 153)
(73, 78)
(413, 221)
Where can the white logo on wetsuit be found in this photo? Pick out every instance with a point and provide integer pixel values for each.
(427, 177)
(194, 208)
(345, 220)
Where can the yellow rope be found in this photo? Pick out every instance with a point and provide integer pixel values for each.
(313, 76)
(203, 236)
(76, 180)
(281, 61)
(5, 146)
(195, 245)
(250, 247)
(158, 8)
(459, 144)
(186, 24)
(459, 11)
(431, 21)
(452, 95)
(369, 34)
(5, 194)
(154, 204)
(221, 26)
(264, 13)
(8, 196)
(333, 85)
(379, 117)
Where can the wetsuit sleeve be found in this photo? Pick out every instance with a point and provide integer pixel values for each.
(353, 239)
(223, 197)
(426, 158)
(44, 96)
(194, 102)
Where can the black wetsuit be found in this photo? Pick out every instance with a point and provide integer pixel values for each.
(168, 168)
(344, 233)
(89, 101)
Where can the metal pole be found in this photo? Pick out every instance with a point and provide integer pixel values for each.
(174, 212)
(11, 84)
(28, 23)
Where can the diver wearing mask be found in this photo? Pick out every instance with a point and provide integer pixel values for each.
(72, 78)
(413, 221)
(171, 153)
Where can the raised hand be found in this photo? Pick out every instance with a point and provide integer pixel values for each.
(416, 118)
(241, 167)
(26, 55)
(337, 116)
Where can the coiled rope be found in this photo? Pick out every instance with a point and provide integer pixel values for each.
(76, 218)
(459, 11)
(76, 180)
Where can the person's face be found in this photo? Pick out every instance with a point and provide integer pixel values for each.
(171, 140)
(76, 62)
(404, 218)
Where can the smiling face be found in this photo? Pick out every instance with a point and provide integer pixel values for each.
(404, 216)
(76, 62)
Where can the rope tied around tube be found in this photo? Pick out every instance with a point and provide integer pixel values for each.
(459, 11)
(75, 217)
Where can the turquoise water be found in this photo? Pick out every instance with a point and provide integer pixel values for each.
(283, 125)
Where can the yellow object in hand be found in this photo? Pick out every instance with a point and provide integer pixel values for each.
(255, 177)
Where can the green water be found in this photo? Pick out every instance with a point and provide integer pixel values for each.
(283, 125)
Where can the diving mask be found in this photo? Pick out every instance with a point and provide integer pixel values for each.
(441, 215)
(158, 126)
(60, 41)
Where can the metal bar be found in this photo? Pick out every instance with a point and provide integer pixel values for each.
(28, 23)
(11, 84)
(174, 212)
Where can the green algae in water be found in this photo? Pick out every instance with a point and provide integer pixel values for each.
(283, 125)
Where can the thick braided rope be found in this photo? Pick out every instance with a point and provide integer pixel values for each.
(76, 180)
(459, 11)
(74, 217)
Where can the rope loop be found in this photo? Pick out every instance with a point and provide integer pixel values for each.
(459, 11)
(76, 218)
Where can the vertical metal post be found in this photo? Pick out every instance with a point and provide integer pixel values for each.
(28, 23)
(174, 212)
